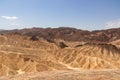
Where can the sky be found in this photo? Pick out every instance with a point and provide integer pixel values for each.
(81, 14)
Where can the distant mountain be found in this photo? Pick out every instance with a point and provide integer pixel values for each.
(1, 29)
(70, 34)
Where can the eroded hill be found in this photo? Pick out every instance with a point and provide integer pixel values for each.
(28, 54)
(19, 54)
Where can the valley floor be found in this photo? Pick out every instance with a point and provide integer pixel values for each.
(103, 74)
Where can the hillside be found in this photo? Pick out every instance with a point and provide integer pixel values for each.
(62, 51)
(70, 34)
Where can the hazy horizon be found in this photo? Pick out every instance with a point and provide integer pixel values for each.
(80, 14)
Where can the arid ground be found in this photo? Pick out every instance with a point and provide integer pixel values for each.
(60, 54)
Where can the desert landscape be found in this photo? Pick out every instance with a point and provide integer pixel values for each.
(59, 39)
(59, 54)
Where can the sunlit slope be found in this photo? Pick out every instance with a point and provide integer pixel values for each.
(91, 56)
(116, 43)
(19, 54)
(16, 58)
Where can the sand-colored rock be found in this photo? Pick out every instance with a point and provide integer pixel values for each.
(24, 59)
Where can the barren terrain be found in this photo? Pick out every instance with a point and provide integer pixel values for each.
(44, 54)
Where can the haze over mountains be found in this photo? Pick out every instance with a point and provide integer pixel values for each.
(60, 54)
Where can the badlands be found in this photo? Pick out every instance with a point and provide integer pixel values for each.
(60, 54)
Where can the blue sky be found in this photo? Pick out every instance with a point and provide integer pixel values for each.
(82, 14)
